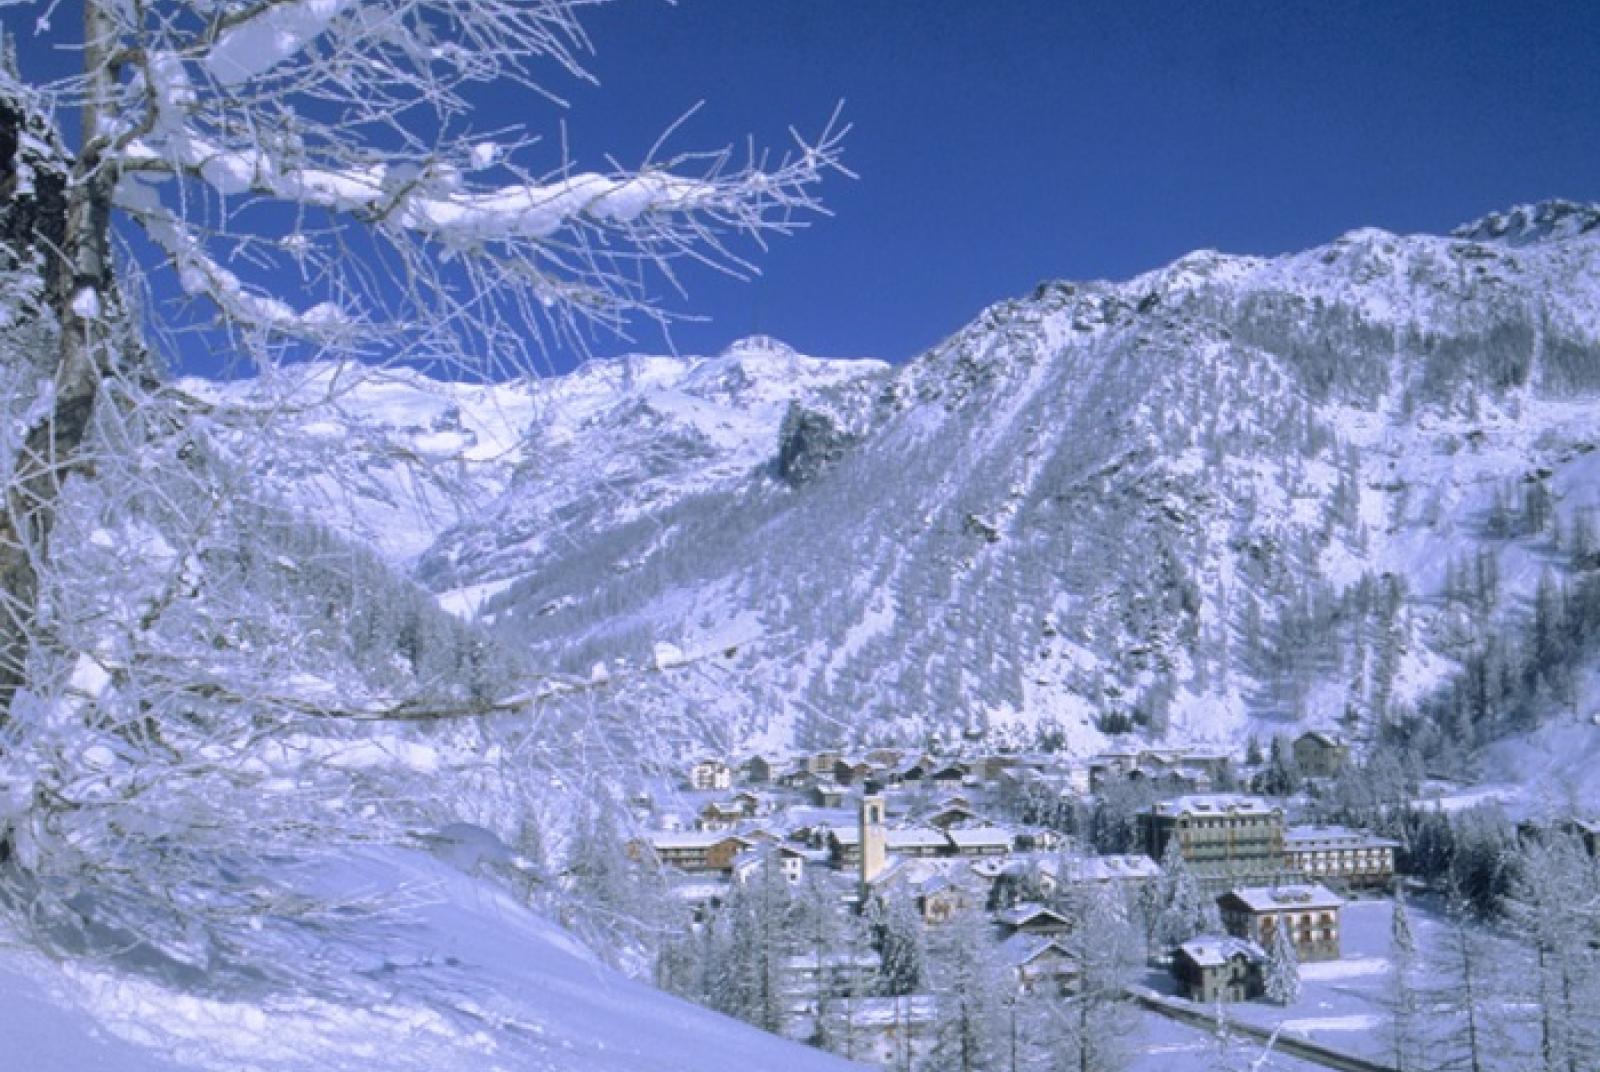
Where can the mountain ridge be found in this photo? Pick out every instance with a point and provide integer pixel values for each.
(1217, 499)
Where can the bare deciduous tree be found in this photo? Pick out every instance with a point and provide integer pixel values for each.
(290, 179)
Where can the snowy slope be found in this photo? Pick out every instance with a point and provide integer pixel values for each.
(466, 980)
(1225, 497)
(1220, 498)
(399, 459)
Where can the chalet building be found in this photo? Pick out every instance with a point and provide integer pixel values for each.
(700, 851)
(790, 860)
(952, 814)
(940, 899)
(751, 804)
(910, 770)
(1335, 854)
(822, 763)
(1038, 839)
(1320, 755)
(844, 847)
(1176, 770)
(827, 795)
(710, 774)
(948, 774)
(1311, 914)
(1039, 963)
(719, 815)
(1221, 835)
(852, 771)
(1216, 968)
(1032, 919)
(1132, 871)
(757, 769)
(1112, 763)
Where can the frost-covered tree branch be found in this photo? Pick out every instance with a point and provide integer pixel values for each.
(189, 674)
(283, 125)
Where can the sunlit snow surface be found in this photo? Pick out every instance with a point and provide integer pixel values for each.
(470, 980)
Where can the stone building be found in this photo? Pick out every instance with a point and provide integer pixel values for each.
(1215, 968)
(1310, 912)
(1320, 755)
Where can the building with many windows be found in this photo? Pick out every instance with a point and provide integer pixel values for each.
(1311, 913)
(1221, 835)
(1339, 855)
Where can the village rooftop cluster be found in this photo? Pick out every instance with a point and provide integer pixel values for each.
(942, 832)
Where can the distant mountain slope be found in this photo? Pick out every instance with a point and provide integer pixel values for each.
(1227, 495)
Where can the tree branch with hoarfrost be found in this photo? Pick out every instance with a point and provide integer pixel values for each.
(312, 179)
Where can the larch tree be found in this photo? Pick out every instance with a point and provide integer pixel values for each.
(1555, 909)
(289, 179)
(968, 984)
(309, 173)
(1464, 998)
(1404, 1004)
(1090, 1023)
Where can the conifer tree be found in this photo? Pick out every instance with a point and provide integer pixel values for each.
(754, 941)
(901, 943)
(1283, 966)
(968, 982)
(1179, 909)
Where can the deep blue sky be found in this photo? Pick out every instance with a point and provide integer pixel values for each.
(1004, 142)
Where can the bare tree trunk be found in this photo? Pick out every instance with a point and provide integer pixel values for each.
(70, 221)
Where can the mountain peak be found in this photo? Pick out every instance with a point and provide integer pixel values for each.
(760, 344)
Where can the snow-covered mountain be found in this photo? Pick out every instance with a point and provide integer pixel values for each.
(1229, 496)
(1226, 495)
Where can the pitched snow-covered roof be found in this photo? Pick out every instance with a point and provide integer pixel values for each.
(1213, 951)
(694, 839)
(1116, 868)
(979, 837)
(1334, 836)
(917, 837)
(1216, 804)
(1325, 739)
(1025, 913)
(1022, 948)
(1286, 898)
